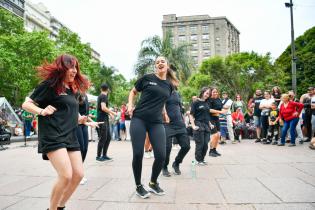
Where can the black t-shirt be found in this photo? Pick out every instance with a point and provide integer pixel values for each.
(173, 109)
(216, 104)
(200, 111)
(84, 106)
(101, 115)
(277, 97)
(63, 120)
(154, 94)
(256, 101)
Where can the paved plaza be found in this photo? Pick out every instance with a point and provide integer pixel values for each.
(247, 176)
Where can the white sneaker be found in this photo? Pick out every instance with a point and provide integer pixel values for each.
(83, 181)
(147, 155)
(151, 154)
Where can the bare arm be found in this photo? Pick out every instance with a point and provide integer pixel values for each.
(130, 105)
(214, 111)
(106, 109)
(30, 106)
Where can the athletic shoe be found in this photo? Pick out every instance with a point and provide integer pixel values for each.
(257, 140)
(151, 154)
(100, 159)
(301, 141)
(274, 143)
(205, 162)
(216, 152)
(307, 140)
(147, 155)
(200, 163)
(107, 159)
(83, 181)
(141, 192)
(176, 169)
(212, 154)
(165, 172)
(234, 142)
(291, 145)
(155, 188)
(281, 144)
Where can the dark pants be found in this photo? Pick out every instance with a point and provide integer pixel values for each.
(273, 131)
(105, 138)
(308, 123)
(28, 127)
(83, 138)
(240, 129)
(183, 141)
(156, 132)
(202, 138)
(292, 125)
(264, 126)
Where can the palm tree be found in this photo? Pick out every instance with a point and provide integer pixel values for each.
(154, 46)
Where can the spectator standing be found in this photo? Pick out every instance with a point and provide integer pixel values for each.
(239, 103)
(276, 94)
(28, 119)
(273, 129)
(265, 106)
(227, 105)
(307, 123)
(257, 113)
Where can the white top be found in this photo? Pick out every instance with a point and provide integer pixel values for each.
(266, 103)
(227, 105)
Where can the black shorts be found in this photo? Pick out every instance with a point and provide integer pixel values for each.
(215, 128)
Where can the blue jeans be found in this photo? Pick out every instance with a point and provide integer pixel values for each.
(28, 127)
(292, 125)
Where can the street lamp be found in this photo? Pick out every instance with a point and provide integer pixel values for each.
(293, 57)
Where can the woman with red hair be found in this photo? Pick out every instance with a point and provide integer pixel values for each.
(55, 104)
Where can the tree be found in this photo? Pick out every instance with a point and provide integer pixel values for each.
(305, 48)
(154, 46)
(243, 72)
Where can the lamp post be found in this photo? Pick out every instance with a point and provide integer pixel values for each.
(293, 57)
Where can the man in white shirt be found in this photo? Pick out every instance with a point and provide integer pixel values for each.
(227, 103)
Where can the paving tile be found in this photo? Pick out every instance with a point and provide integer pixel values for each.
(172, 207)
(226, 207)
(90, 187)
(31, 203)
(6, 201)
(21, 185)
(107, 171)
(246, 191)
(308, 168)
(123, 206)
(290, 189)
(198, 191)
(83, 204)
(285, 206)
(115, 190)
(281, 170)
(245, 171)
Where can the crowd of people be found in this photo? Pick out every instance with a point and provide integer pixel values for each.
(154, 124)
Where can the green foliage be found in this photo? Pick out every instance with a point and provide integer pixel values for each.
(305, 66)
(154, 46)
(10, 24)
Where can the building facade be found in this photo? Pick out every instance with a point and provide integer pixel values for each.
(14, 6)
(208, 36)
(37, 17)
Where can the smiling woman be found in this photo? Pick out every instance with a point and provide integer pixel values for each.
(55, 104)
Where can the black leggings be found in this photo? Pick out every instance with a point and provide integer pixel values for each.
(264, 126)
(83, 138)
(105, 138)
(156, 131)
(183, 141)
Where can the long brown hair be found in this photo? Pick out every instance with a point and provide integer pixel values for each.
(56, 71)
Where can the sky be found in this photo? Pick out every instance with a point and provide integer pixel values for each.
(115, 28)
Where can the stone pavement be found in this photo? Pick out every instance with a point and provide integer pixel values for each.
(247, 176)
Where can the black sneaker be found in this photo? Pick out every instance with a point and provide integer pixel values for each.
(274, 143)
(176, 169)
(291, 145)
(155, 188)
(107, 159)
(257, 140)
(216, 152)
(307, 140)
(301, 141)
(165, 172)
(212, 154)
(141, 192)
(61, 208)
(100, 159)
(280, 144)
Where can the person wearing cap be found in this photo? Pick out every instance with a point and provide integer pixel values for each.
(103, 113)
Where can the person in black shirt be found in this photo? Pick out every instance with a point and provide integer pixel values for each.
(257, 113)
(102, 116)
(276, 94)
(55, 104)
(175, 129)
(155, 89)
(216, 108)
(199, 118)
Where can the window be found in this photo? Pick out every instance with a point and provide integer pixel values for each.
(206, 45)
(205, 28)
(181, 29)
(194, 52)
(193, 37)
(195, 58)
(206, 53)
(194, 46)
(217, 39)
(182, 38)
(193, 29)
(205, 36)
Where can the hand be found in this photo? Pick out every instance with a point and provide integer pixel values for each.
(82, 119)
(49, 110)
(295, 114)
(195, 127)
(92, 124)
(130, 109)
(167, 119)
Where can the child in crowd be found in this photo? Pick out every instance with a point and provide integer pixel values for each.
(273, 130)
(223, 128)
